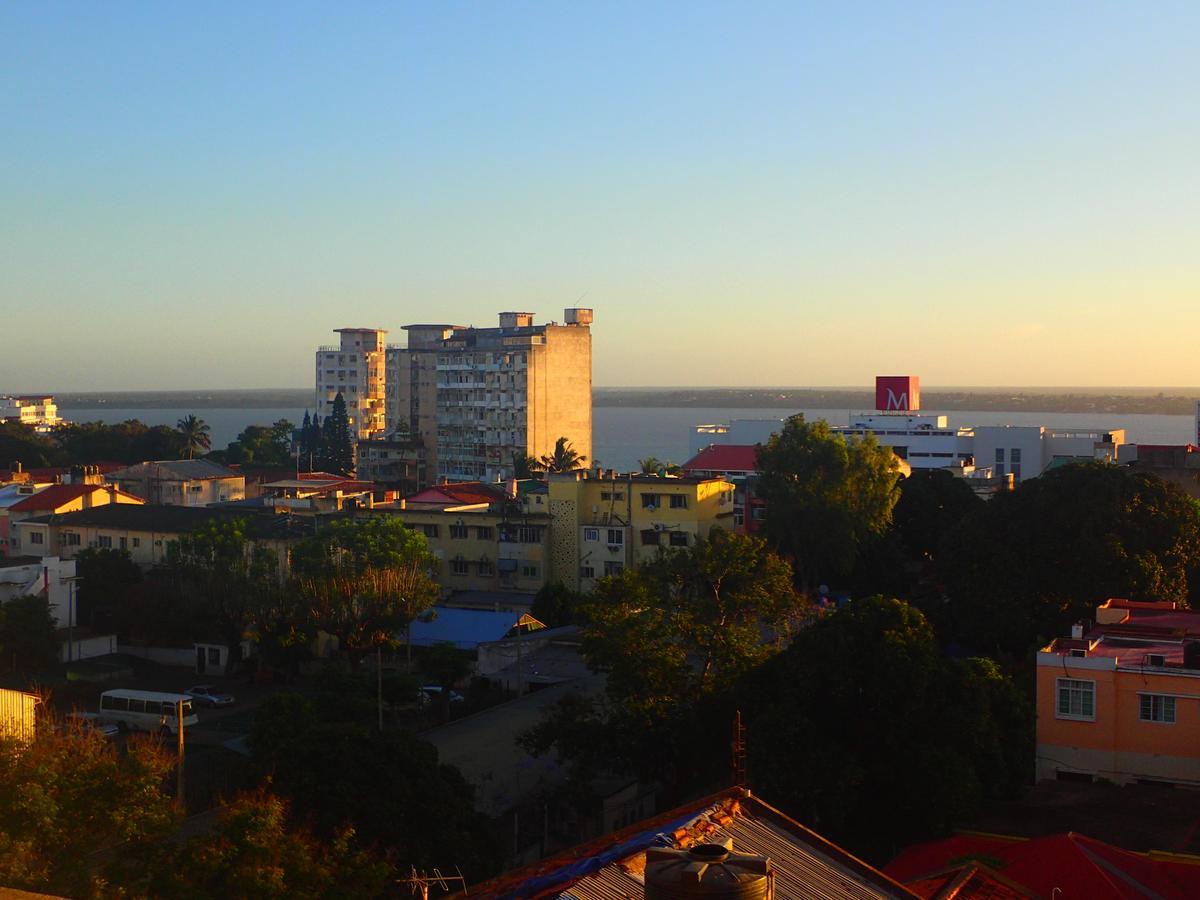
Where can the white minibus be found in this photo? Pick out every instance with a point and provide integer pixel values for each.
(145, 710)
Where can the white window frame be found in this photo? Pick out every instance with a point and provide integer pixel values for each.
(1070, 684)
(1164, 698)
(591, 534)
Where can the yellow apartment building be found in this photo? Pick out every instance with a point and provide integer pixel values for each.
(602, 522)
(487, 541)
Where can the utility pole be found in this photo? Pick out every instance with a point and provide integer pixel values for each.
(179, 796)
(379, 682)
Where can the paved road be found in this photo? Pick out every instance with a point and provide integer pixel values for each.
(483, 746)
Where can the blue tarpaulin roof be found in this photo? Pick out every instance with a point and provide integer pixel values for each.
(466, 629)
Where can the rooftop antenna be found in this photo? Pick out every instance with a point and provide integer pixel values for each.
(420, 882)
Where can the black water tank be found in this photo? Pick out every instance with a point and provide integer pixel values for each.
(706, 871)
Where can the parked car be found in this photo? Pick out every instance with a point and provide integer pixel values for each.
(89, 722)
(208, 695)
(431, 692)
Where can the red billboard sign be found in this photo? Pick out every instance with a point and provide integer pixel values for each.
(897, 392)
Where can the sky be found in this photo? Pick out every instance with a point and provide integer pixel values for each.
(196, 195)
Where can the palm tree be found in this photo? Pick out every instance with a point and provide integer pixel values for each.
(563, 459)
(651, 465)
(195, 434)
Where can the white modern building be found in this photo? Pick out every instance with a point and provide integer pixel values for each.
(354, 368)
(38, 411)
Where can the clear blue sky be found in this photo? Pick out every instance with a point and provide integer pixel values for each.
(195, 195)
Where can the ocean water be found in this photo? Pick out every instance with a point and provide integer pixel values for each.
(621, 435)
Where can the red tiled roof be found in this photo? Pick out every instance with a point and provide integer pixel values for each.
(54, 496)
(458, 494)
(724, 458)
(1080, 866)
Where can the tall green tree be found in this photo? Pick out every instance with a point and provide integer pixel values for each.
(364, 580)
(261, 445)
(229, 572)
(337, 443)
(69, 794)
(563, 459)
(1027, 564)
(20, 444)
(862, 729)
(826, 495)
(253, 850)
(670, 636)
(339, 772)
(933, 504)
(28, 636)
(196, 435)
(105, 577)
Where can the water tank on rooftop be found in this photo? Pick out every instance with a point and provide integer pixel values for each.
(706, 871)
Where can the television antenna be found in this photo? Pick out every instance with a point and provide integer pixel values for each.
(419, 883)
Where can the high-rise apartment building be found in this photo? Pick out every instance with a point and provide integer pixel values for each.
(477, 398)
(354, 368)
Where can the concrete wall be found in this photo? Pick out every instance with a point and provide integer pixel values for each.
(1117, 744)
(87, 648)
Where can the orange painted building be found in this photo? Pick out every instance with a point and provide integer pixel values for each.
(1120, 699)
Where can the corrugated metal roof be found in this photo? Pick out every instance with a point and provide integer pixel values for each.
(807, 867)
(466, 629)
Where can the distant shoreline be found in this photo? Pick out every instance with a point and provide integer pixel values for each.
(1049, 400)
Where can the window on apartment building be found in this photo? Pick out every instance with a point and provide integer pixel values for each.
(430, 530)
(122, 543)
(35, 537)
(1014, 457)
(679, 539)
(739, 517)
(104, 541)
(1156, 708)
(529, 571)
(650, 538)
(613, 568)
(1076, 699)
(459, 567)
(591, 534)
(679, 501)
(616, 536)
(587, 571)
(458, 532)
(650, 501)
(486, 567)
(483, 532)
(530, 534)
(137, 542)
(70, 539)
(1000, 455)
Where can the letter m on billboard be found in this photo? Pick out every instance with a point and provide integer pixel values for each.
(897, 392)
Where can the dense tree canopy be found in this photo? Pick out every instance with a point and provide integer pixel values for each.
(28, 635)
(364, 580)
(67, 795)
(932, 504)
(865, 732)
(253, 851)
(673, 636)
(336, 771)
(230, 574)
(261, 445)
(1027, 564)
(826, 496)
